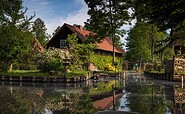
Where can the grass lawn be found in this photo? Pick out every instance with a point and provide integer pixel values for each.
(39, 73)
(77, 73)
(24, 73)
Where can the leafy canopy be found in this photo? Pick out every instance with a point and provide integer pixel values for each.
(12, 13)
(107, 17)
(14, 44)
(80, 52)
(166, 14)
(139, 40)
(15, 38)
(39, 30)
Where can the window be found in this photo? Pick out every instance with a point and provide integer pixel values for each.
(62, 43)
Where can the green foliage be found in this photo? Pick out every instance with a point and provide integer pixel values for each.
(141, 41)
(25, 73)
(77, 73)
(15, 38)
(84, 106)
(102, 62)
(13, 14)
(103, 87)
(166, 14)
(107, 17)
(14, 44)
(52, 59)
(79, 52)
(180, 33)
(39, 30)
(109, 67)
(28, 62)
(168, 54)
(147, 99)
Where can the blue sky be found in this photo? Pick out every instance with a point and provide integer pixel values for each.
(57, 12)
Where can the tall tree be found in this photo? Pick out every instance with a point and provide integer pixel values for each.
(14, 44)
(56, 30)
(141, 39)
(106, 18)
(39, 30)
(13, 14)
(167, 15)
(15, 38)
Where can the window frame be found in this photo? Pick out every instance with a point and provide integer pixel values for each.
(63, 43)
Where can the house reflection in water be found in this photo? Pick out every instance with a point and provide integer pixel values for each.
(179, 100)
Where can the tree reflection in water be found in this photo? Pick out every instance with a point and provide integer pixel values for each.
(22, 100)
(147, 99)
(144, 98)
(179, 99)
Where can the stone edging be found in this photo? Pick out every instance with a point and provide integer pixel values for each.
(43, 79)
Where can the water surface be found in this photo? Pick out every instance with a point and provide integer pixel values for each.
(139, 94)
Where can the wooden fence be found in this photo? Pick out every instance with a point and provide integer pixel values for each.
(175, 68)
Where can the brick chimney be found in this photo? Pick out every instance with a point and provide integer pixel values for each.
(78, 26)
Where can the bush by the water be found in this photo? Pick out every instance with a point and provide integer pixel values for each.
(52, 60)
(105, 62)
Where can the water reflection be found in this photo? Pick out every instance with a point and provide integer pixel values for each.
(179, 99)
(139, 94)
(149, 96)
(44, 99)
(147, 99)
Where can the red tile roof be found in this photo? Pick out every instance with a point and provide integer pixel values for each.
(37, 45)
(106, 103)
(105, 44)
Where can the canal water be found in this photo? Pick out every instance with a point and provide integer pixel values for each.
(137, 92)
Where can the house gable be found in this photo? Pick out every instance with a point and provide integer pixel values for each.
(178, 47)
(62, 34)
(104, 47)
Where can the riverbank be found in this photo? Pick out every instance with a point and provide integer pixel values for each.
(44, 79)
(70, 77)
(164, 76)
(38, 76)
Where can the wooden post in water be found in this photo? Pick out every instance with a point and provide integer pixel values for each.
(124, 79)
(124, 76)
(113, 105)
(182, 81)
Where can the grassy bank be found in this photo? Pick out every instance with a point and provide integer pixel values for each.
(39, 73)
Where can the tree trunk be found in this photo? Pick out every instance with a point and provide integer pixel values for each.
(10, 67)
(140, 64)
(152, 51)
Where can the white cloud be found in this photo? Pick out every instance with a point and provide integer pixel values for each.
(52, 24)
(80, 2)
(47, 12)
(76, 17)
(127, 27)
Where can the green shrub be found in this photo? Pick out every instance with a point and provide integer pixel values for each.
(52, 59)
(109, 67)
(104, 62)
